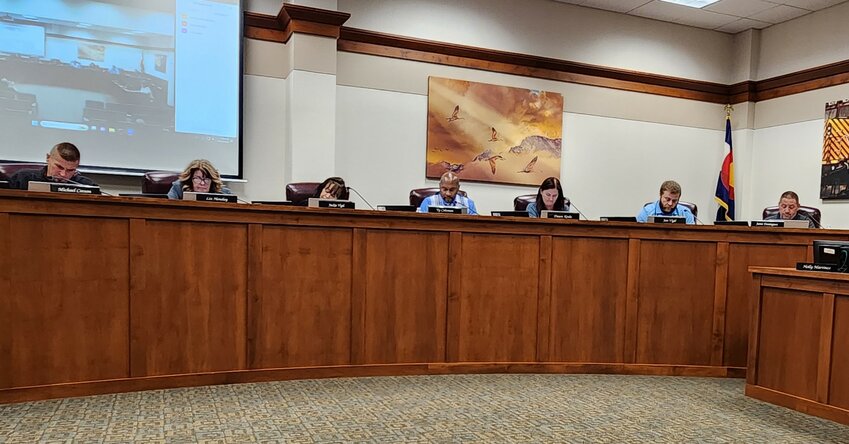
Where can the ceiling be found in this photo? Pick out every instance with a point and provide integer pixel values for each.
(731, 16)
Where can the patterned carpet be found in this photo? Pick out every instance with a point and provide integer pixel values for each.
(439, 409)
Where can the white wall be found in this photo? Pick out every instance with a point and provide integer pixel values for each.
(806, 42)
(551, 29)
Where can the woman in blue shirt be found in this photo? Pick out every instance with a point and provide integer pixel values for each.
(549, 197)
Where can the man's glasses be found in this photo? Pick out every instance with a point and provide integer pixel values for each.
(201, 180)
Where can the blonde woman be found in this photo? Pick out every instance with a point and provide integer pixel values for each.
(200, 177)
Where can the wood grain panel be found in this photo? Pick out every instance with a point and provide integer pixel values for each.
(589, 279)
(405, 298)
(67, 300)
(676, 294)
(838, 393)
(305, 318)
(739, 296)
(498, 298)
(195, 284)
(5, 308)
(789, 340)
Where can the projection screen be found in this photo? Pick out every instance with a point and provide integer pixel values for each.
(137, 85)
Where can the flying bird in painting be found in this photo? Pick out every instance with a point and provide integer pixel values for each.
(453, 167)
(530, 166)
(454, 115)
(492, 162)
(493, 135)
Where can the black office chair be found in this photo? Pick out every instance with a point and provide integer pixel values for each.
(812, 213)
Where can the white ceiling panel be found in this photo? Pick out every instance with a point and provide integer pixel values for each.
(731, 16)
(778, 14)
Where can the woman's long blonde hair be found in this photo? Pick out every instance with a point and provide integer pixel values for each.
(206, 167)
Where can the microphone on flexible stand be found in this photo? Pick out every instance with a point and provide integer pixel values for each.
(572, 205)
(74, 182)
(361, 197)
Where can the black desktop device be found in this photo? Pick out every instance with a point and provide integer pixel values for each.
(511, 213)
(4, 184)
(733, 223)
(618, 218)
(407, 208)
(831, 253)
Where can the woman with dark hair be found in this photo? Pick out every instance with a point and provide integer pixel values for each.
(549, 197)
(199, 177)
(332, 188)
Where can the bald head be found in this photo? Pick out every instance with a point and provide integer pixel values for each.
(449, 185)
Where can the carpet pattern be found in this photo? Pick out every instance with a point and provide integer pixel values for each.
(425, 409)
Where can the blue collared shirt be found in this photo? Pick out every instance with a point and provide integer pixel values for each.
(654, 209)
(437, 201)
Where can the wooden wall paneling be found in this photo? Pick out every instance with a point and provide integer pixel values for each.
(5, 307)
(305, 317)
(67, 303)
(589, 298)
(359, 268)
(632, 302)
(544, 300)
(824, 363)
(452, 309)
(838, 392)
(498, 298)
(789, 341)
(676, 293)
(405, 294)
(196, 282)
(720, 296)
(138, 276)
(756, 310)
(740, 291)
(255, 291)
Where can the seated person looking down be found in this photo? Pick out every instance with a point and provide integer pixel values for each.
(199, 177)
(788, 209)
(332, 188)
(448, 196)
(62, 163)
(549, 197)
(667, 205)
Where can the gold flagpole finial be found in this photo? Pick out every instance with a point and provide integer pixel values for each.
(728, 110)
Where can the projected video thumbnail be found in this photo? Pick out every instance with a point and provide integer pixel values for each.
(121, 66)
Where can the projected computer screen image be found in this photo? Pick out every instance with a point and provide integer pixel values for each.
(135, 84)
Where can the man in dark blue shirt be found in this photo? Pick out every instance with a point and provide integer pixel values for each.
(62, 163)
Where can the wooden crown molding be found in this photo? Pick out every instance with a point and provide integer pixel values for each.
(291, 19)
(315, 21)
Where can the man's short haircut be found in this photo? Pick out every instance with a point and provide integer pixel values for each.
(671, 186)
(789, 195)
(449, 177)
(67, 151)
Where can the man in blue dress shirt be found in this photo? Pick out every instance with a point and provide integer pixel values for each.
(448, 196)
(667, 205)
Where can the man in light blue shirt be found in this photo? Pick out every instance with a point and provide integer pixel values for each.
(667, 205)
(448, 196)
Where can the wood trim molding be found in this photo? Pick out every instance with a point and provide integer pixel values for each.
(314, 21)
(291, 19)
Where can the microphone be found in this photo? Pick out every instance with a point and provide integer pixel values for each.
(572, 205)
(74, 182)
(361, 197)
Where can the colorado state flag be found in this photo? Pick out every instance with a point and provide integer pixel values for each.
(725, 183)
